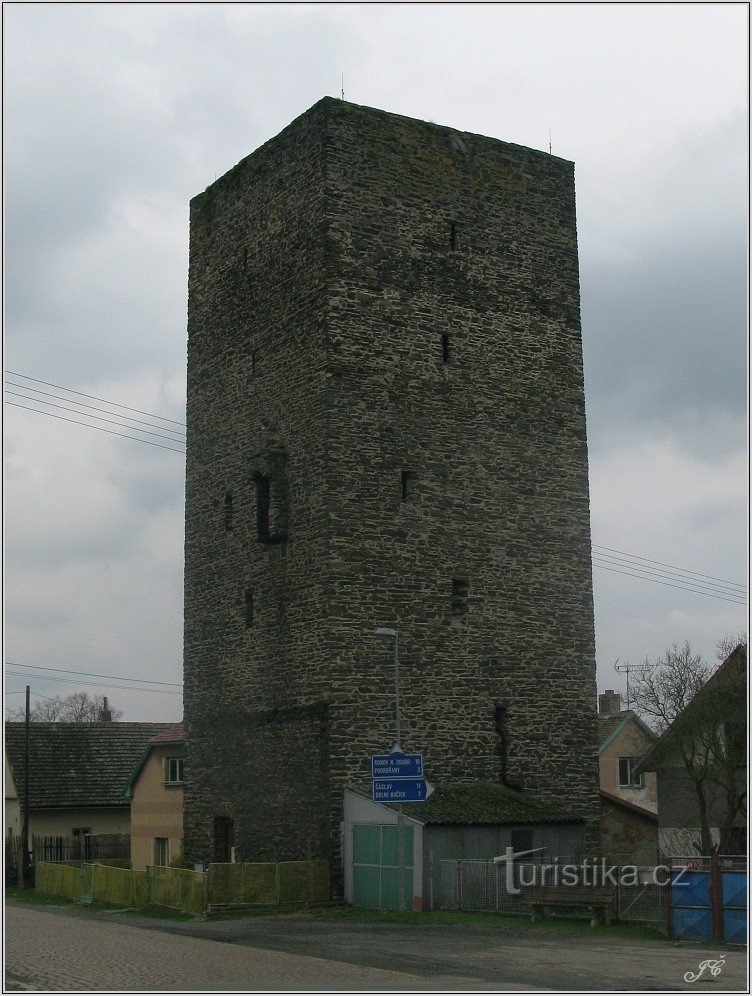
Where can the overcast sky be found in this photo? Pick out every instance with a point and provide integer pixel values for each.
(116, 115)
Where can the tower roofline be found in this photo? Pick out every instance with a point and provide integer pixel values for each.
(335, 102)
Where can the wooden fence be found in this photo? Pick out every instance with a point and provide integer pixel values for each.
(84, 847)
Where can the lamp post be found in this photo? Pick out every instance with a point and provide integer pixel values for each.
(389, 631)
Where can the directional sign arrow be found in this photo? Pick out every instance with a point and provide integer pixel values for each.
(401, 790)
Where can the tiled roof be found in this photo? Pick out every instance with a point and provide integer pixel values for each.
(632, 807)
(77, 764)
(485, 804)
(174, 734)
(607, 724)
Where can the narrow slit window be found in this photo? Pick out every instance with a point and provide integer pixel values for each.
(445, 348)
(248, 609)
(459, 596)
(405, 484)
(263, 494)
(228, 511)
(453, 235)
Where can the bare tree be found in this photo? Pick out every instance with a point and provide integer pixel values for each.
(77, 708)
(727, 644)
(702, 718)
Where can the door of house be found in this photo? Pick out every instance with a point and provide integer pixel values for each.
(224, 838)
(375, 869)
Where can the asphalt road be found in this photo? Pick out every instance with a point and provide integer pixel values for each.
(51, 947)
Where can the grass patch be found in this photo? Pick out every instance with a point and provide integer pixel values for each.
(444, 918)
(448, 918)
(35, 898)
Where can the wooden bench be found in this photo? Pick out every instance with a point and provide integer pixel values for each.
(599, 900)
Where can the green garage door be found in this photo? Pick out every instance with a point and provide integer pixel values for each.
(375, 866)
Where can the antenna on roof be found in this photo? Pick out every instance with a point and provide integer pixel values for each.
(549, 141)
(342, 91)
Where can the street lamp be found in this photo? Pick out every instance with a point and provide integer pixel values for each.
(389, 631)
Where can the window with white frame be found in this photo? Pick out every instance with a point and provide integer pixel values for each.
(173, 770)
(628, 776)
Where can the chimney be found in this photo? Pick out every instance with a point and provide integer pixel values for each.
(105, 713)
(609, 703)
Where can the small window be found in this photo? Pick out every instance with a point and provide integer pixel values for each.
(445, 348)
(453, 235)
(406, 485)
(228, 512)
(628, 777)
(161, 851)
(173, 768)
(263, 494)
(459, 596)
(248, 609)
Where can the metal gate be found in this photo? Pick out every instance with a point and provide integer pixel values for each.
(709, 898)
(375, 871)
(733, 871)
(691, 905)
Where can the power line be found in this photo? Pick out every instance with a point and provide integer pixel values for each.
(81, 404)
(672, 566)
(642, 577)
(93, 397)
(652, 572)
(88, 425)
(719, 588)
(95, 684)
(96, 418)
(94, 674)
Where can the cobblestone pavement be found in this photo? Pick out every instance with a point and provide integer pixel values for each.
(65, 947)
(48, 952)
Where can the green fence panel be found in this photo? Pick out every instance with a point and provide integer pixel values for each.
(242, 884)
(58, 880)
(119, 886)
(304, 881)
(176, 888)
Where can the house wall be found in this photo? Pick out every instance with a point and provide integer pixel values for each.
(322, 278)
(627, 837)
(60, 822)
(12, 805)
(156, 809)
(631, 741)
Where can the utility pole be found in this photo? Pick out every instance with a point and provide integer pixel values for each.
(25, 831)
(384, 631)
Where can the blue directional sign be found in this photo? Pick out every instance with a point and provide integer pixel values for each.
(401, 789)
(396, 765)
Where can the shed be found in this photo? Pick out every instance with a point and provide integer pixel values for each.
(460, 821)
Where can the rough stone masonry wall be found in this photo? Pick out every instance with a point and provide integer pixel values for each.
(430, 235)
(254, 697)
(325, 273)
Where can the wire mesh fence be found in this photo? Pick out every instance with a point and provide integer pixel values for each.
(507, 888)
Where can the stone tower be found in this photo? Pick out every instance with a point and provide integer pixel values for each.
(386, 427)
